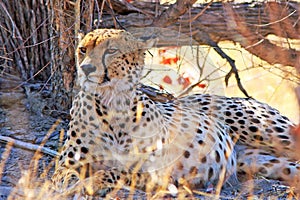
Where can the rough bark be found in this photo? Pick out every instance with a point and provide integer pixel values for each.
(248, 24)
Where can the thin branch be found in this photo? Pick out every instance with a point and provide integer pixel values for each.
(5, 58)
(32, 77)
(28, 146)
(13, 25)
(116, 21)
(172, 14)
(274, 22)
(216, 47)
(190, 20)
(22, 54)
(4, 158)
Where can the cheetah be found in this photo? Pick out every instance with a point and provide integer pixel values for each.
(121, 137)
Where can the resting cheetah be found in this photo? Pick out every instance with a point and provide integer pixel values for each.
(119, 136)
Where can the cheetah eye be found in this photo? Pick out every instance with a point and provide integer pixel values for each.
(82, 50)
(111, 51)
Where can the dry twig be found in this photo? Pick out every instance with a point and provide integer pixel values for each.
(28, 146)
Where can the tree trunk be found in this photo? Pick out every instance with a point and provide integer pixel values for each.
(247, 23)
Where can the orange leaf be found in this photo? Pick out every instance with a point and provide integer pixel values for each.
(167, 79)
(185, 81)
(176, 59)
(169, 61)
(161, 51)
(166, 61)
(201, 85)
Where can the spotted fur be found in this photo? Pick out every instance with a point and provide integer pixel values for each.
(119, 136)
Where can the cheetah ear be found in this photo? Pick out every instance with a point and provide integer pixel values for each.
(80, 36)
(148, 43)
(147, 37)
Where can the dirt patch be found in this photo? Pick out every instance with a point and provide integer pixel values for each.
(20, 122)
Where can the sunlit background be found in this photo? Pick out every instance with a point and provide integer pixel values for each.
(176, 69)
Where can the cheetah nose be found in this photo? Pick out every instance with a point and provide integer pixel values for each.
(88, 68)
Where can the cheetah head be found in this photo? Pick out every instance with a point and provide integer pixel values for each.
(110, 61)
